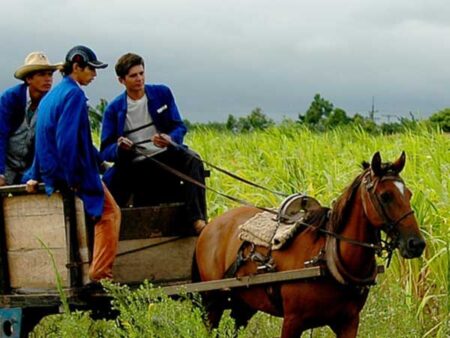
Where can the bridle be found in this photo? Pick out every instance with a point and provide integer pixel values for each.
(389, 225)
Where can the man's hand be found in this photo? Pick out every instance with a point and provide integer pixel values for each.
(2, 180)
(125, 143)
(161, 140)
(31, 186)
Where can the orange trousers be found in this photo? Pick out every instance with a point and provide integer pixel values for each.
(106, 238)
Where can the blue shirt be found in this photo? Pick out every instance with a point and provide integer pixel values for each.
(162, 109)
(64, 150)
(12, 114)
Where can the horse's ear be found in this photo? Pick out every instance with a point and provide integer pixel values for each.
(398, 165)
(375, 164)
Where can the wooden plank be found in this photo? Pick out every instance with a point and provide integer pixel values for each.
(19, 189)
(70, 214)
(154, 221)
(162, 259)
(246, 281)
(83, 242)
(38, 298)
(33, 268)
(4, 271)
(29, 218)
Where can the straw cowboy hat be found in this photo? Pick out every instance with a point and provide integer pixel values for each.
(35, 61)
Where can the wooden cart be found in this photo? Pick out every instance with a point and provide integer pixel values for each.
(155, 244)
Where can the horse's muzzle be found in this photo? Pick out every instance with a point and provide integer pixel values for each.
(412, 247)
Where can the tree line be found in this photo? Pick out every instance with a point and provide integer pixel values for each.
(321, 115)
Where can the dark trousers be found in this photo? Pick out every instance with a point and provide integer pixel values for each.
(149, 184)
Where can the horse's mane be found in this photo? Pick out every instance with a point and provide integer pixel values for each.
(343, 204)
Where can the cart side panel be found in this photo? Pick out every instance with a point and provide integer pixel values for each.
(28, 218)
(154, 244)
(159, 260)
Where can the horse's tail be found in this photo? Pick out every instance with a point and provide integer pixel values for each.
(195, 273)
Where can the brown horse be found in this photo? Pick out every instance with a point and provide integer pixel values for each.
(343, 239)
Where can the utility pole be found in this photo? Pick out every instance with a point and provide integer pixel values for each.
(373, 111)
(388, 116)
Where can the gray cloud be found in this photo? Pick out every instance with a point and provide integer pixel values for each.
(228, 57)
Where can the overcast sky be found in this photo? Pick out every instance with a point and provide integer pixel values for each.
(228, 57)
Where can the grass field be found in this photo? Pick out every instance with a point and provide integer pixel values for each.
(411, 298)
(413, 293)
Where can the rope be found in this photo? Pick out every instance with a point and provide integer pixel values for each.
(244, 202)
(189, 179)
(131, 131)
(185, 177)
(224, 171)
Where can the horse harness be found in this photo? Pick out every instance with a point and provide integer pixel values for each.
(389, 225)
(265, 262)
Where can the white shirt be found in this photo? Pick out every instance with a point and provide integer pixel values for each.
(138, 116)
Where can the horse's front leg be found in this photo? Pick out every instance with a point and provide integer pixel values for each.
(214, 303)
(292, 327)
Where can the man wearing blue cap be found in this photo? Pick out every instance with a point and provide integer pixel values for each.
(66, 158)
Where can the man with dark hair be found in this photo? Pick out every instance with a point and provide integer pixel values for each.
(146, 118)
(66, 159)
(18, 106)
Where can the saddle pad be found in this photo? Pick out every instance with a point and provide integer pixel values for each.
(263, 229)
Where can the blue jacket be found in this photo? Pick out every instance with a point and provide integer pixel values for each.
(167, 120)
(12, 113)
(64, 150)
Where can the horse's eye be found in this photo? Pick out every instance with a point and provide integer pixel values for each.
(386, 197)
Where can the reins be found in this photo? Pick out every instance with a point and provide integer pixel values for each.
(131, 131)
(189, 179)
(325, 218)
(379, 247)
(376, 247)
(224, 171)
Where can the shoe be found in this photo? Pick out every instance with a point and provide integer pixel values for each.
(199, 225)
(92, 287)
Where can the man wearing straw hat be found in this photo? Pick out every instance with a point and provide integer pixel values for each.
(18, 106)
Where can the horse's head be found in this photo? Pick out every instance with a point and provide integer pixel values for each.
(386, 202)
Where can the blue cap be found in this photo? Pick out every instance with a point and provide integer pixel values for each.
(85, 55)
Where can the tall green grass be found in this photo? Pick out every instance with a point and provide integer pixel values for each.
(411, 298)
(294, 159)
